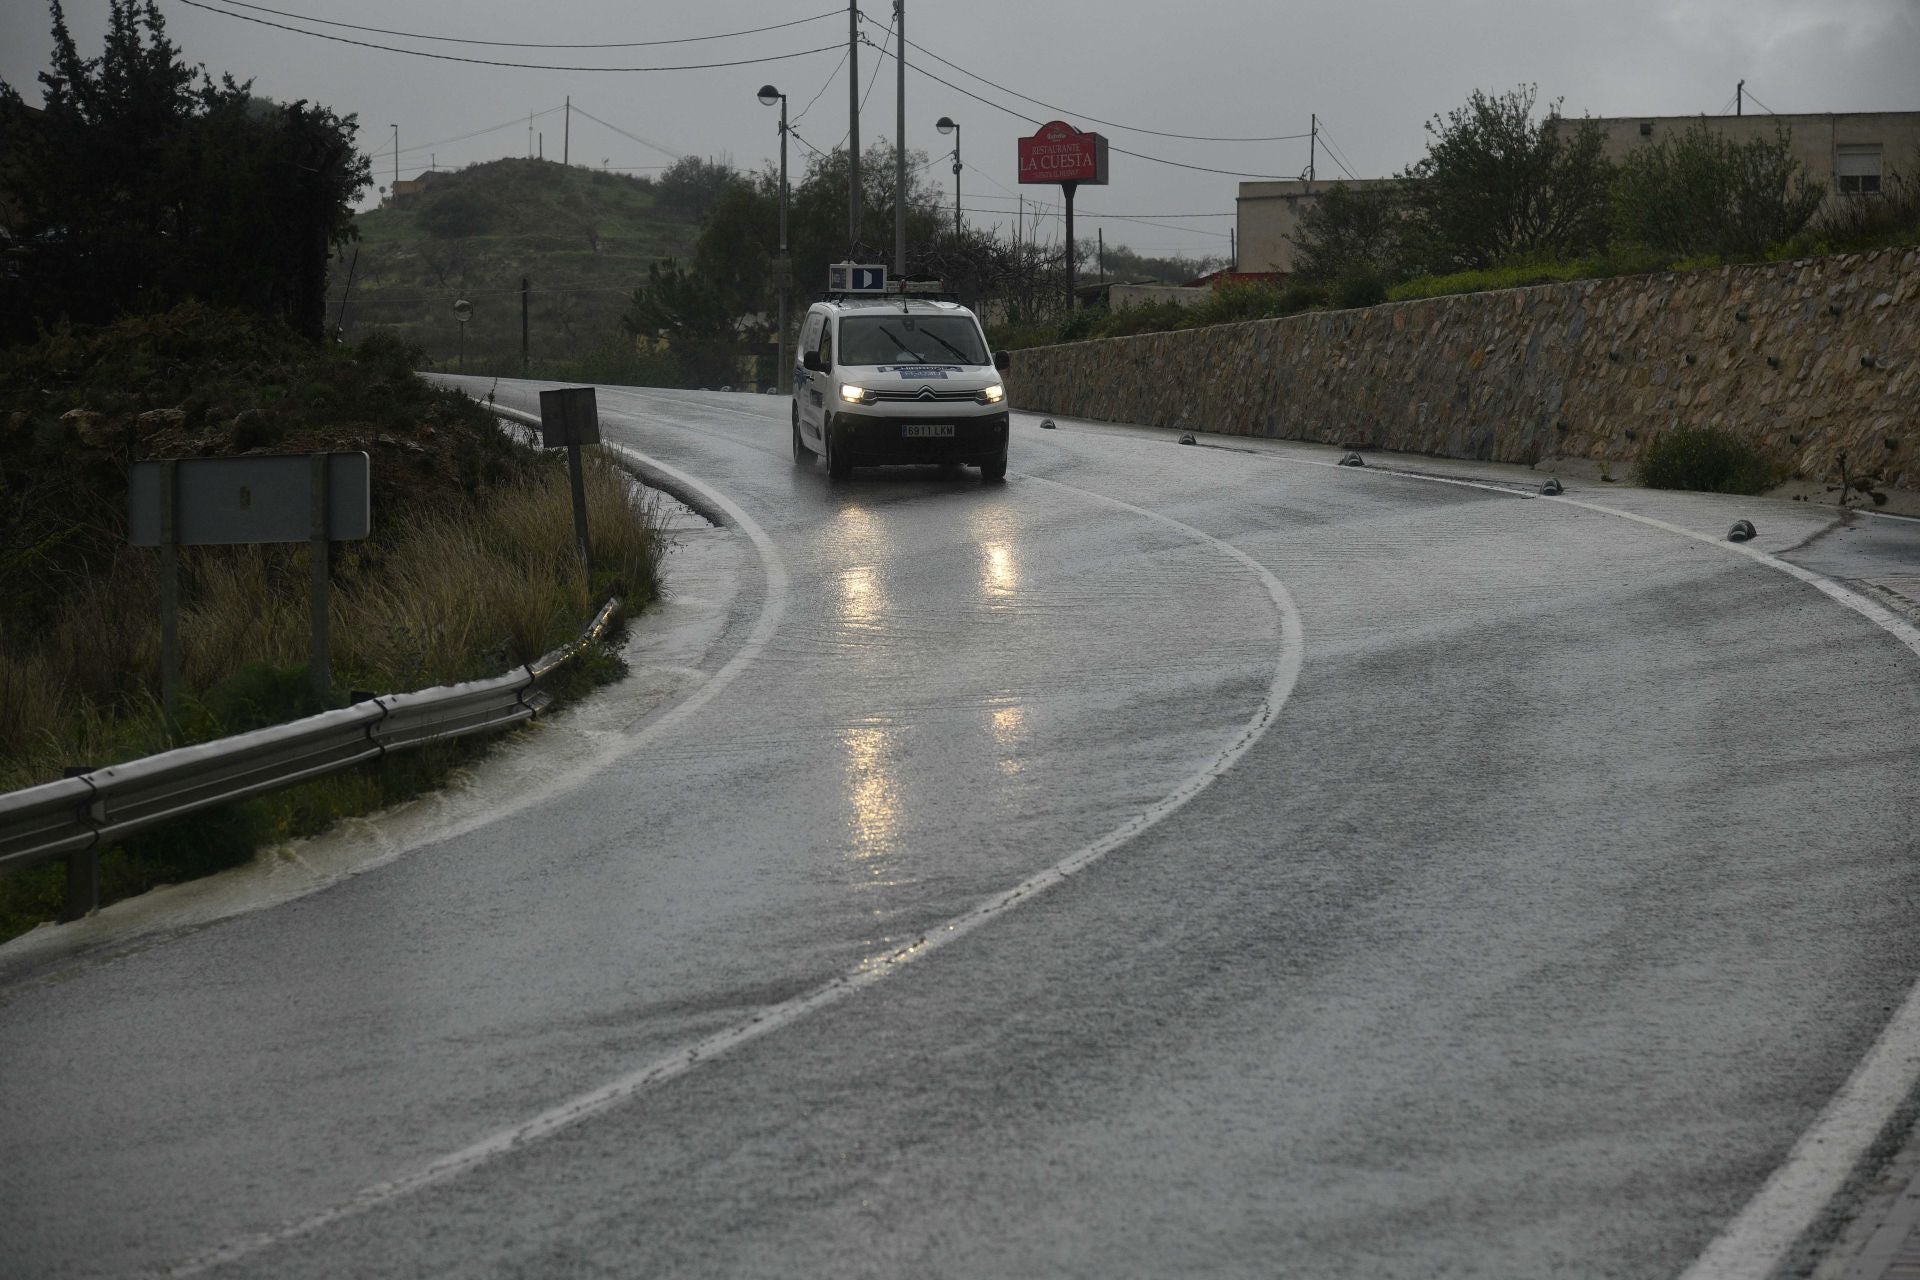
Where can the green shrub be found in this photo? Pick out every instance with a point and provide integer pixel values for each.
(1707, 460)
(1301, 296)
(1359, 291)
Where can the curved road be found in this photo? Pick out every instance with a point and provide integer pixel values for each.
(1200, 861)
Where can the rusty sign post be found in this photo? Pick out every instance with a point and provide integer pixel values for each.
(316, 498)
(1061, 153)
(569, 416)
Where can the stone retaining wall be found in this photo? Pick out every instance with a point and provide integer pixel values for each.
(1811, 359)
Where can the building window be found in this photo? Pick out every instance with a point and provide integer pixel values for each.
(1857, 169)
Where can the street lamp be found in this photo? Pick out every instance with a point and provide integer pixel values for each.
(782, 270)
(947, 124)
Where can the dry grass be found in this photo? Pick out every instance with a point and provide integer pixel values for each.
(440, 598)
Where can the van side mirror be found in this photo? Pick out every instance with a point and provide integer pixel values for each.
(811, 360)
(1001, 361)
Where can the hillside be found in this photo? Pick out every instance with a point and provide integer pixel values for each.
(583, 237)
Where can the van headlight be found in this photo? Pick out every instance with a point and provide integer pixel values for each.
(993, 394)
(855, 395)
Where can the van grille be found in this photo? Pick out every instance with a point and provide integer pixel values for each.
(925, 395)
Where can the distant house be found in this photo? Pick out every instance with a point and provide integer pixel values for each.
(1851, 153)
(406, 192)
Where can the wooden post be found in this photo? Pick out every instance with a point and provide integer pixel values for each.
(169, 592)
(320, 672)
(575, 475)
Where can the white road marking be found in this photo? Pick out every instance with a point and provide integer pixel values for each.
(1761, 1235)
(660, 1070)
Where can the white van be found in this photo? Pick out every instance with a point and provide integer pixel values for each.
(897, 379)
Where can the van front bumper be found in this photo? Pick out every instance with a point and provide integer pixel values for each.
(880, 441)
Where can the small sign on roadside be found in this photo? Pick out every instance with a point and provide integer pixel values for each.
(569, 415)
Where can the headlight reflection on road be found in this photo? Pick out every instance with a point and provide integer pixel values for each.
(1001, 575)
(875, 797)
(1008, 723)
(860, 596)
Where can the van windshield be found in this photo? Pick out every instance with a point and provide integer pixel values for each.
(908, 339)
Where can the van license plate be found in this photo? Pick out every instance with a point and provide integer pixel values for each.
(916, 430)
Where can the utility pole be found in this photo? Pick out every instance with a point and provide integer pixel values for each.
(853, 127)
(900, 139)
(529, 135)
(1100, 237)
(1072, 264)
(396, 161)
(947, 124)
(1313, 147)
(1740, 98)
(783, 270)
(566, 135)
(1233, 251)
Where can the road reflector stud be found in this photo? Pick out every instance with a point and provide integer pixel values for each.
(1046, 424)
(1553, 487)
(1188, 439)
(1353, 460)
(1741, 531)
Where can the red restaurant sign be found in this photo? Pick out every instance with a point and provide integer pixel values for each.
(1061, 153)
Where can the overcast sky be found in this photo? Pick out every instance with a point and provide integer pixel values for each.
(1373, 71)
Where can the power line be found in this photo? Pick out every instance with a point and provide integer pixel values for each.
(1184, 137)
(645, 142)
(828, 84)
(427, 146)
(1763, 106)
(1177, 164)
(524, 44)
(877, 64)
(495, 62)
(1339, 157)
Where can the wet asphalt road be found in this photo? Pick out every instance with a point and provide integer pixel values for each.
(1569, 881)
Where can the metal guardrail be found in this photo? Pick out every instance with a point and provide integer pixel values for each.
(76, 817)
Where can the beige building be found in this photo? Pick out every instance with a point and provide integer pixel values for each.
(1267, 215)
(1853, 154)
(1850, 153)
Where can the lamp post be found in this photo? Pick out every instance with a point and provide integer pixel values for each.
(781, 270)
(947, 124)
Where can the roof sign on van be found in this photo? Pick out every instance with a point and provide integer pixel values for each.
(856, 277)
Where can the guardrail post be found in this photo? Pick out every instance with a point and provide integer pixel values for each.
(320, 672)
(83, 883)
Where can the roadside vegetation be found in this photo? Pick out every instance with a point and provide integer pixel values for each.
(164, 299)
(1512, 194)
(1707, 460)
(470, 569)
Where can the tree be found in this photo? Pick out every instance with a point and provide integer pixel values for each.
(1703, 193)
(698, 325)
(1497, 185)
(691, 186)
(1353, 233)
(142, 182)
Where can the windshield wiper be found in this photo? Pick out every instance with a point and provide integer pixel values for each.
(902, 343)
(964, 357)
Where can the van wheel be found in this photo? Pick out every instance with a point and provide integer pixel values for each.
(802, 455)
(839, 465)
(994, 471)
